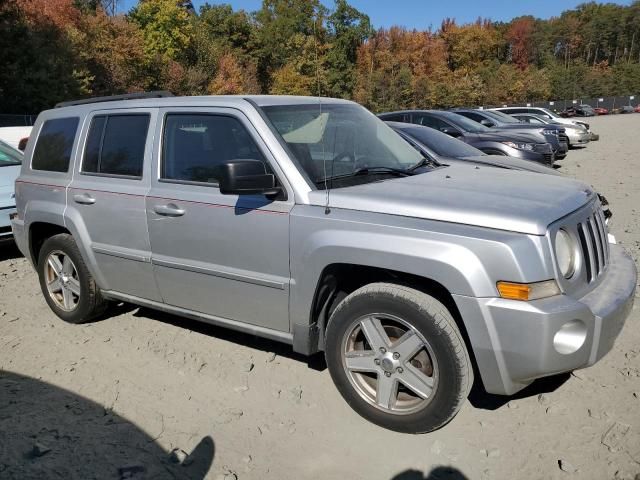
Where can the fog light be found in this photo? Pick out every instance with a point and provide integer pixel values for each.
(570, 337)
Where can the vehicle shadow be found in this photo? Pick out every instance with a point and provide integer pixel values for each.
(49, 432)
(315, 362)
(487, 401)
(438, 473)
(9, 250)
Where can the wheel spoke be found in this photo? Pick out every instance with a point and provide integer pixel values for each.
(74, 286)
(374, 332)
(361, 361)
(67, 298)
(55, 285)
(386, 391)
(67, 266)
(54, 263)
(408, 345)
(416, 381)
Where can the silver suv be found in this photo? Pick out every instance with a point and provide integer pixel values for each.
(312, 223)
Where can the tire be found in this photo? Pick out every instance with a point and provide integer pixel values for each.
(411, 320)
(72, 292)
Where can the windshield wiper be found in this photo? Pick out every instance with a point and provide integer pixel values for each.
(369, 171)
(425, 162)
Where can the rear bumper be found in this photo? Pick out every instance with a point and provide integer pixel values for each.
(522, 341)
(20, 237)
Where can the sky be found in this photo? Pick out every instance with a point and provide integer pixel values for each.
(422, 14)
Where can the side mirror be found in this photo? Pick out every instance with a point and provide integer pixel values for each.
(487, 123)
(246, 177)
(452, 132)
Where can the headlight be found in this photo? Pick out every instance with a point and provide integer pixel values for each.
(548, 131)
(519, 146)
(565, 253)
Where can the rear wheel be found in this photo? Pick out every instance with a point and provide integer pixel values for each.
(397, 357)
(66, 283)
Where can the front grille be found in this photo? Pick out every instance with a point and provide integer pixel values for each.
(542, 148)
(548, 157)
(595, 244)
(563, 138)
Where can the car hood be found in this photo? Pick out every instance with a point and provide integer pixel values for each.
(495, 198)
(509, 136)
(502, 162)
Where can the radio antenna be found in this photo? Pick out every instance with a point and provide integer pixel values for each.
(327, 210)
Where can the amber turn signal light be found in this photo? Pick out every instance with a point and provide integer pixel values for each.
(528, 291)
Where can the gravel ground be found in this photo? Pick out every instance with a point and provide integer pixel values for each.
(147, 395)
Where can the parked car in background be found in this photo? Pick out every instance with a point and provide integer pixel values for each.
(15, 136)
(554, 135)
(625, 109)
(447, 150)
(544, 113)
(601, 111)
(443, 149)
(10, 163)
(408, 283)
(493, 142)
(576, 134)
(637, 109)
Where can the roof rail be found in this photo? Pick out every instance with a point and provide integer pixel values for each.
(115, 98)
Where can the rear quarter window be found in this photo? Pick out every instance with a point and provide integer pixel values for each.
(55, 142)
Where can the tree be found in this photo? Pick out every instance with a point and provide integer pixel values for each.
(165, 26)
(348, 28)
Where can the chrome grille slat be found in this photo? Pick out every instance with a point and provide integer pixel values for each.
(592, 233)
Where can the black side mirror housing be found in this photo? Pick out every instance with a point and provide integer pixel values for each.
(246, 177)
(451, 132)
(487, 123)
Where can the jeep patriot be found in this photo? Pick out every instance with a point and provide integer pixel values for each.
(309, 221)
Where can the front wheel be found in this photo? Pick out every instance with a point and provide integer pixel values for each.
(397, 357)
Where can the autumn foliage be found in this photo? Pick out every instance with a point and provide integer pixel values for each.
(52, 50)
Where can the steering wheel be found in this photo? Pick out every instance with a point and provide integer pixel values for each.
(347, 156)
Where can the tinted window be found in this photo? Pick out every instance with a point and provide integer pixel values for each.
(115, 145)
(429, 121)
(195, 145)
(53, 148)
(397, 117)
(9, 156)
(441, 143)
(476, 117)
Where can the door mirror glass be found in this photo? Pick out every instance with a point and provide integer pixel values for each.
(487, 123)
(246, 177)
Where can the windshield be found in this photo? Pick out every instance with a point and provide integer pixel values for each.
(550, 113)
(502, 117)
(441, 143)
(464, 123)
(330, 140)
(9, 155)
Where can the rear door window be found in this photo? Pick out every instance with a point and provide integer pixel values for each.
(429, 121)
(115, 145)
(55, 142)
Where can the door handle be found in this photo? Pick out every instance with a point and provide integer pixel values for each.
(169, 210)
(84, 199)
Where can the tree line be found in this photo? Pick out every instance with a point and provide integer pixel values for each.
(53, 50)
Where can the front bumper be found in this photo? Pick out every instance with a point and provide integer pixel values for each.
(519, 341)
(5, 222)
(581, 138)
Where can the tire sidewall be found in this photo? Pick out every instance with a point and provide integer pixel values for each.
(442, 406)
(65, 244)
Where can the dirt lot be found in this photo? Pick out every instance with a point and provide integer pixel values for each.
(115, 398)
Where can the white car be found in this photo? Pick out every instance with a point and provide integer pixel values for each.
(544, 113)
(15, 136)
